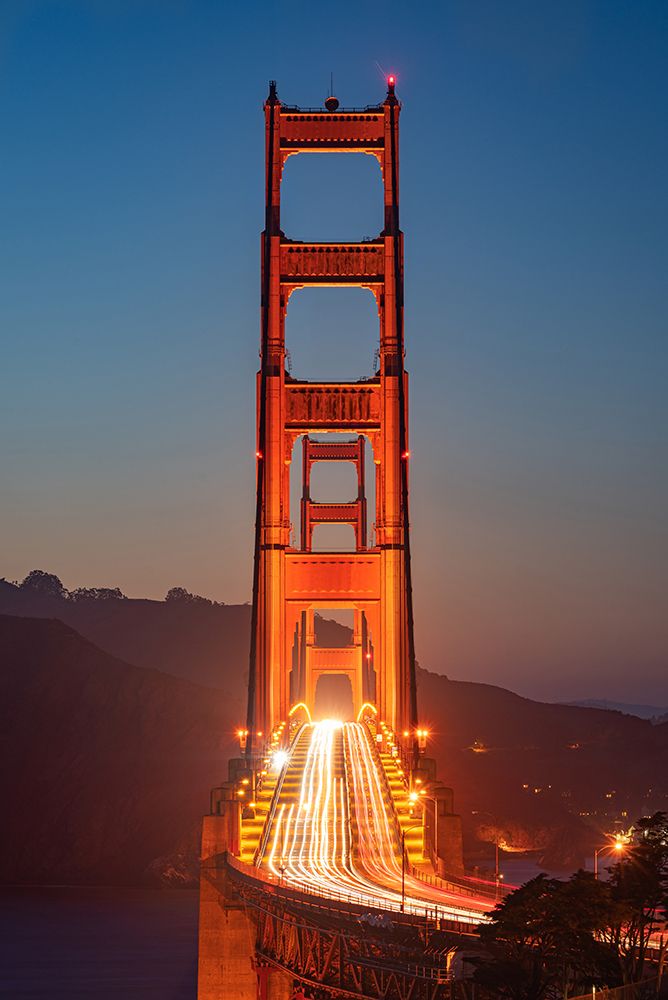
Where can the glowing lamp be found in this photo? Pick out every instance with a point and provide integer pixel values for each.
(279, 759)
(413, 797)
(391, 80)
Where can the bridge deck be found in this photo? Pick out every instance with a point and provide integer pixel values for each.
(332, 829)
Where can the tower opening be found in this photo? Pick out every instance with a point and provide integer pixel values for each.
(332, 479)
(333, 538)
(328, 197)
(334, 698)
(332, 334)
(334, 627)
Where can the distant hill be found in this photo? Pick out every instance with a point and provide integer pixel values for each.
(107, 766)
(187, 636)
(535, 766)
(659, 714)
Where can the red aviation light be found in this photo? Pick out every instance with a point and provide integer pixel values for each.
(391, 80)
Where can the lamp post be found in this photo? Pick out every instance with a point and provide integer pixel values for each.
(617, 846)
(416, 826)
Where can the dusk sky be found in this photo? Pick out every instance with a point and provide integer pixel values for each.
(534, 165)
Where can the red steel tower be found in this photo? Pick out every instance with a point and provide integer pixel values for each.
(291, 582)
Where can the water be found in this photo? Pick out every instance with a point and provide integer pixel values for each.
(519, 868)
(70, 943)
(115, 944)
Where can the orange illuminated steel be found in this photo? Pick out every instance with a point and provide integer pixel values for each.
(291, 581)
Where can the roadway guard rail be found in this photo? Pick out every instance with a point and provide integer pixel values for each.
(268, 823)
(307, 895)
(461, 884)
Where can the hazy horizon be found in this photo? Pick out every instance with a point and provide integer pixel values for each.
(564, 697)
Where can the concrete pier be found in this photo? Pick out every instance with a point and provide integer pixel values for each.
(226, 932)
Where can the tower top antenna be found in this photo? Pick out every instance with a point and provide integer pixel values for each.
(332, 102)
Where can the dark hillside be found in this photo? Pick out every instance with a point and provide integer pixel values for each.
(106, 766)
(204, 642)
(556, 777)
(189, 637)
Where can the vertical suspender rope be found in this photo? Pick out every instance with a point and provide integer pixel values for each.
(403, 436)
(259, 491)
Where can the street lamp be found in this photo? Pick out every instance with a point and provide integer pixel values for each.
(416, 826)
(617, 846)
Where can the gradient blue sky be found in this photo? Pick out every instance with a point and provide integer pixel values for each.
(534, 165)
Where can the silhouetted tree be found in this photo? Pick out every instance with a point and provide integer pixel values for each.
(182, 596)
(45, 584)
(639, 889)
(551, 938)
(97, 594)
(543, 940)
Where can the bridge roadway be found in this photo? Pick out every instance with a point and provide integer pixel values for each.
(332, 829)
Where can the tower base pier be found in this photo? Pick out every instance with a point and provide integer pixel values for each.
(226, 931)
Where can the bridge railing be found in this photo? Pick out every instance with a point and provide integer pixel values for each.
(269, 821)
(461, 884)
(464, 885)
(308, 895)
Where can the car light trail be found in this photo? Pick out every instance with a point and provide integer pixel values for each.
(342, 801)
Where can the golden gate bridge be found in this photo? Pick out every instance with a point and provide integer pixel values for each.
(332, 856)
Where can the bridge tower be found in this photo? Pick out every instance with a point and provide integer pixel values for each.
(250, 946)
(291, 581)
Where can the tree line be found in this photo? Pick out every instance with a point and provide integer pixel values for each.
(44, 584)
